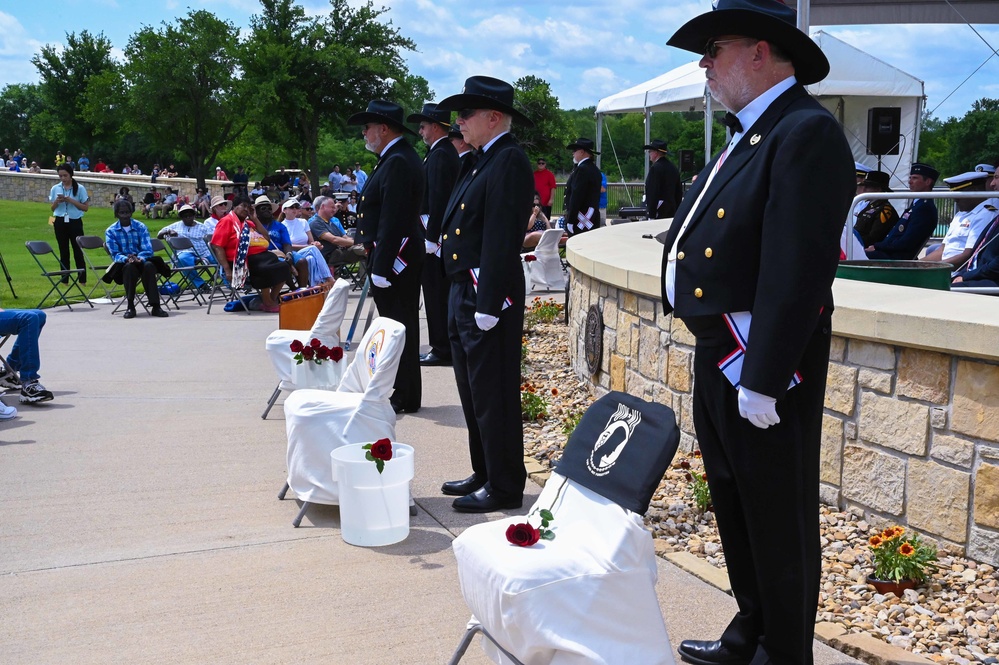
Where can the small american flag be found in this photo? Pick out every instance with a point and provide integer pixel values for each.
(239, 269)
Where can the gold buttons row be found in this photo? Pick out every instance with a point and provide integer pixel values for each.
(707, 253)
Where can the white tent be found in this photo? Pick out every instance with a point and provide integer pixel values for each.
(857, 81)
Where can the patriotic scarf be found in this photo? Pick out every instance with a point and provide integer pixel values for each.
(239, 267)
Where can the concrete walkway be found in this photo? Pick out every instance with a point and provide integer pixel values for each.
(140, 520)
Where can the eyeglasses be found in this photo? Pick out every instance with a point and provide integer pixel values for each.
(541, 163)
(465, 114)
(711, 48)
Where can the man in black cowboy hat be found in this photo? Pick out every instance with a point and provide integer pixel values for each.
(663, 190)
(482, 234)
(755, 244)
(878, 217)
(441, 169)
(582, 189)
(388, 225)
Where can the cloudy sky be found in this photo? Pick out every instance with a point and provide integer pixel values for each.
(586, 49)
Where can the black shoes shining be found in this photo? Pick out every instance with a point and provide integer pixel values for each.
(701, 652)
(483, 501)
(462, 487)
(129, 313)
(433, 360)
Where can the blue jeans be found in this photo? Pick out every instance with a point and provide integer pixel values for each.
(186, 259)
(27, 324)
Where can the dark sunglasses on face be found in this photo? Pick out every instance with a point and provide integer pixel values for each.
(465, 114)
(711, 48)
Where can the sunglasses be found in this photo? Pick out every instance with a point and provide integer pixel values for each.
(711, 48)
(465, 114)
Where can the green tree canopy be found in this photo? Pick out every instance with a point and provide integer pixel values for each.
(550, 133)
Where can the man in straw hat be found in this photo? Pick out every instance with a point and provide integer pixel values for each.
(388, 225)
(582, 189)
(663, 190)
(480, 243)
(756, 241)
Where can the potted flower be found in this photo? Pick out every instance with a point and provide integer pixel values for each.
(900, 561)
(316, 365)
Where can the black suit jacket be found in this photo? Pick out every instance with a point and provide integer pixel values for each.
(389, 210)
(765, 237)
(442, 171)
(987, 261)
(484, 223)
(663, 190)
(582, 197)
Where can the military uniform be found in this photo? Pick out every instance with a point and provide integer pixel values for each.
(982, 269)
(907, 237)
(663, 190)
(875, 221)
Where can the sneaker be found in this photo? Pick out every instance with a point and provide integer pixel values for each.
(34, 392)
(9, 380)
(7, 412)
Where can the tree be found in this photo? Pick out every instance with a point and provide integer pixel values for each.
(65, 79)
(550, 133)
(19, 104)
(313, 73)
(182, 90)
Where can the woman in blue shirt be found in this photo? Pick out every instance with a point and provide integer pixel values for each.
(69, 202)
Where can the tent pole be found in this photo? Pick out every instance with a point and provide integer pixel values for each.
(600, 136)
(648, 138)
(919, 127)
(804, 15)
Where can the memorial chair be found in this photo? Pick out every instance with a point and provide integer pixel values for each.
(359, 411)
(325, 328)
(39, 249)
(91, 245)
(588, 595)
(546, 271)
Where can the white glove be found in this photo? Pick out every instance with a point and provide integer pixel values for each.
(380, 282)
(485, 321)
(758, 409)
(431, 247)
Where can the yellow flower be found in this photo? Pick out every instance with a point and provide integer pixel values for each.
(906, 550)
(888, 533)
(899, 531)
(875, 542)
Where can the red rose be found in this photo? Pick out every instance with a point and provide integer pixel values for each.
(308, 352)
(336, 354)
(315, 343)
(530, 257)
(522, 535)
(382, 449)
(297, 346)
(323, 352)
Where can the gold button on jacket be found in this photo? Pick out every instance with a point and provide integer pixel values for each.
(462, 206)
(457, 232)
(721, 212)
(698, 293)
(708, 252)
(679, 256)
(454, 256)
(445, 236)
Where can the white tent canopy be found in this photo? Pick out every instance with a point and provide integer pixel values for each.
(857, 81)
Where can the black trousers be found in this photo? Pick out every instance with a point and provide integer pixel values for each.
(765, 490)
(436, 290)
(66, 233)
(401, 302)
(487, 370)
(131, 273)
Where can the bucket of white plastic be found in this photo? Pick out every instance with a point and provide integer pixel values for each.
(374, 507)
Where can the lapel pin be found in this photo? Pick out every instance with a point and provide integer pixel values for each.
(755, 139)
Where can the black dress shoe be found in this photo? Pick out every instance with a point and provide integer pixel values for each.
(157, 312)
(399, 408)
(702, 652)
(462, 487)
(433, 360)
(129, 314)
(483, 501)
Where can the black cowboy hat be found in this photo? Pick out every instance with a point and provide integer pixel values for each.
(381, 111)
(878, 179)
(582, 144)
(484, 92)
(656, 144)
(430, 113)
(767, 20)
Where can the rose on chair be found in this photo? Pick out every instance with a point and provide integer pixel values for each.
(316, 351)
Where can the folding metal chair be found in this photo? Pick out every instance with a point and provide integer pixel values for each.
(88, 245)
(39, 248)
(3, 358)
(183, 274)
(225, 290)
(206, 271)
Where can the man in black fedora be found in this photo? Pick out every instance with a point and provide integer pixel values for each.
(754, 245)
(582, 189)
(388, 225)
(663, 190)
(441, 170)
(480, 244)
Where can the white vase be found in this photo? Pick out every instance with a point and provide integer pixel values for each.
(309, 374)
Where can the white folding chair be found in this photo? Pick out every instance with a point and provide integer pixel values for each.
(546, 270)
(326, 329)
(359, 411)
(587, 596)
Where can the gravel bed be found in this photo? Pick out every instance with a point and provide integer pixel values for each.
(953, 618)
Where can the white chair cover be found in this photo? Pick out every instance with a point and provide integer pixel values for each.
(547, 270)
(326, 328)
(317, 421)
(585, 598)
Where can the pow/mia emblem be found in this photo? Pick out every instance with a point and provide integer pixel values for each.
(617, 432)
(755, 139)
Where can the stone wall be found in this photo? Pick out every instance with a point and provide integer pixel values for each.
(910, 436)
(101, 188)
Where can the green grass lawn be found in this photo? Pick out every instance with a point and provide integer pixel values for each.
(21, 222)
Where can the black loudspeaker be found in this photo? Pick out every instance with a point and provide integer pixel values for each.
(884, 129)
(687, 160)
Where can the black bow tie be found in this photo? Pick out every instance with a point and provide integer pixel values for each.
(731, 121)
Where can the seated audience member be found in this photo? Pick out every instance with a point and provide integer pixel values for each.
(136, 170)
(338, 247)
(155, 173)
(127, 241)
(202, 202)
(12, 165)
(349, 182)
(24, 358)
(304, 190)
(971, 218)
(878, 217)
(537, 224)
(982, 267)
(258, 190)
(218, 208)
(303, 245)
(220, 174)
(125, 170)
(169, 172)
(148, 201)
(123, 193)
(100, 166)
(165, 205)
(280, 242)
(34, 168)
(916, 224)
(198, 234)
(252, 262)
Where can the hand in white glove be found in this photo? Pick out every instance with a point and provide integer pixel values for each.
(485, 321)
(431, 247)
(380, 282)
(757, 409)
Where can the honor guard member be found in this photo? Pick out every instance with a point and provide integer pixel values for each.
(748, 267)
(970, 219)
(917, 223)
(441, 171)
(862, 170)
(582, 189)
(388, 225)
(663, 190)
(879, 216)
(482, 236)
(466, 154)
